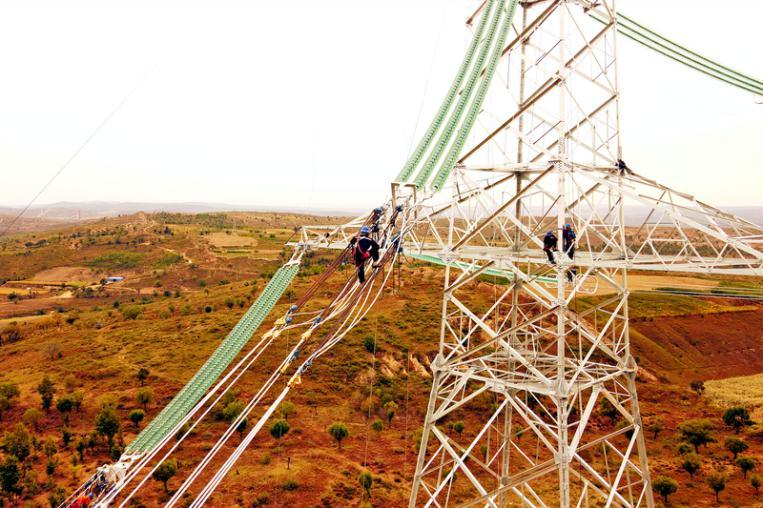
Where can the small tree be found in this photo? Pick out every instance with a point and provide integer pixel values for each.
(32, 418)
(64, 405)
(717, 482)
(691, 463)
(697, 432)
(18, 442)
(287, 409)
(746, 464)
(755, 483)
(165, 472)
(279, 429)
(81, 446)
(142, 375)
(233, 409)
(698, 387)
(390, 407)
(366, 481)
(684, 448)
(136, 416)
(107, 424)
(49, 447)
(66, 436)
(5, 405)
(241, 428)
(735, 446)
(655, 428)
(9, 390)
(144, 397)
(664, 486)
(77, 396)
(736, 418)
(338, 431)
(607, 409)
(46, 389)
(10, 476)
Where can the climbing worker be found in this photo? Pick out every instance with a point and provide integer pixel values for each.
(568, 244)
(549, 246)
(568, 240)
(364, 248)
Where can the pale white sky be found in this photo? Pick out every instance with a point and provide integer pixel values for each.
(314, 103)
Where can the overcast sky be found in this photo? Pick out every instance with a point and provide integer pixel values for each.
(314, 103)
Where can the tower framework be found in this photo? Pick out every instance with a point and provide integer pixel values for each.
(536, 362)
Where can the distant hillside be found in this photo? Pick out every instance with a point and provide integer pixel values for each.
(74, 211)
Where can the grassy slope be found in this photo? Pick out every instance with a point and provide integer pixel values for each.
(173, 335)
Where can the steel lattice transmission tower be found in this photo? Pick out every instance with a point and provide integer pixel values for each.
(546, 152)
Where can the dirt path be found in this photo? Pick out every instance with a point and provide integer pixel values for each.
(188, 260)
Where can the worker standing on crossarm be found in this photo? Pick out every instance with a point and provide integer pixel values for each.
(363, 249)
(549, 246)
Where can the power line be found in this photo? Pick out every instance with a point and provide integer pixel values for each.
(74, 155)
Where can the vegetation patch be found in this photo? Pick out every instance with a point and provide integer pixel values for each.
(744, 391)
(115, 260)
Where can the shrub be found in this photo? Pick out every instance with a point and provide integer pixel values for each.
(32, 417)
(655, 428)
(131, 312)
(18, 442)
(261, 500)
(10, 476)
(377, 425)
(664, 486)
(64, 405)
(755, 483)
(233, 409)
(607, 409)
(279, 429)
(698, 387)
(458, 427)
(290, 485)
(369, 343)
(683, 448)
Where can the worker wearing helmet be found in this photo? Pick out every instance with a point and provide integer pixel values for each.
(549, 246)
(363, 249)
(568, 240)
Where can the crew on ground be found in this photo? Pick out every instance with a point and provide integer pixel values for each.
(364, 248)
